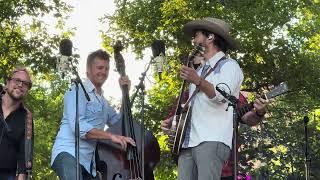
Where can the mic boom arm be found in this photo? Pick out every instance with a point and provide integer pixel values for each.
(226, 95)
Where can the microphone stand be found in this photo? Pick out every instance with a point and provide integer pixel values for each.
(233, 101)
(141, 87)
(306, 153)
(141, 83)
(77, 81)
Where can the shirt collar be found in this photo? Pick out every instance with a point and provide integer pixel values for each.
(89, 86)
(21, 106)
(214, 59)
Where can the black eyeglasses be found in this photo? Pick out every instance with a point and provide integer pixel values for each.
(26, 84)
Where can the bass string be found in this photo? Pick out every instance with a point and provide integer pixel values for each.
(134, 163)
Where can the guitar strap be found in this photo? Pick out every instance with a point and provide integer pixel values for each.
(28, 143)
(204, 77)
(204, 74)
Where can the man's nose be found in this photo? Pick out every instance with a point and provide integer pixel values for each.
(193, 41)
(103, 72)
(20, 83)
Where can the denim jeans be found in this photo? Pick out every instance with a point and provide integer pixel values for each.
(64, 165)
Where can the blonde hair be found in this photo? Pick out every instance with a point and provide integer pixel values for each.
(18, 69)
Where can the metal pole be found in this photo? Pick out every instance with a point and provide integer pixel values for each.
(77, 147)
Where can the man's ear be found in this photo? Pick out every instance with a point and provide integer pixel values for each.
(5, 87)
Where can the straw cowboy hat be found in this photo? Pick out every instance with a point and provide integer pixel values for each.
(214, 25)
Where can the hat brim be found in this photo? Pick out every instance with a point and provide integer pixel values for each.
(190, 28)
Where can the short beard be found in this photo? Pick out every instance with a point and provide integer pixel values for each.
(11, 95)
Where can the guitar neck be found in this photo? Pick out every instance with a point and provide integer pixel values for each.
(182, 89)
(281, 89)
(244, 109)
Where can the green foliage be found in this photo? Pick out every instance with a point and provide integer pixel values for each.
(24, 37)
(279, 42)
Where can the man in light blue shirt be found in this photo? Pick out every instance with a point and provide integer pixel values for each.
(93, 116)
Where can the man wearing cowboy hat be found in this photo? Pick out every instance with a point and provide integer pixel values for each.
(208, 138)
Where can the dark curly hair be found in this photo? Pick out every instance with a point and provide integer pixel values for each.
(218, 40)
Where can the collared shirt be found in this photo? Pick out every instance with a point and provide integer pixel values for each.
(95, 113)
(12, 140)
(209, 120)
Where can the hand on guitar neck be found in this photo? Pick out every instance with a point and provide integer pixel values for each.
(255, 116)
(260, 106)
(253, 113)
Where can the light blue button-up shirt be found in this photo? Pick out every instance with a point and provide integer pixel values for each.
(95, 113)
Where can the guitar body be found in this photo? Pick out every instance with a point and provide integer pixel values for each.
(178, 131)
(182, 115)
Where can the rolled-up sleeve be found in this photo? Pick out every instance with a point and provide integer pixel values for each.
(70, 111)
(229, 78)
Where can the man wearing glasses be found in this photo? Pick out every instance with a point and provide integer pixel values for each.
(15, 127)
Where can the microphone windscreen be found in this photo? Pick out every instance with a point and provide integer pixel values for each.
(65, 47)
(158, 47)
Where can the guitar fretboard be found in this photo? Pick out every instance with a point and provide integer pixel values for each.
(244, 109)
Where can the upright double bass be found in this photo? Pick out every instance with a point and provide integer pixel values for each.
(113, 162)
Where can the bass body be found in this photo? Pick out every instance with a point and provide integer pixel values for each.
(112, 162)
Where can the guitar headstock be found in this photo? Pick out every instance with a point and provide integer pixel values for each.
(120, 65)
(281, 89)
(196, 51)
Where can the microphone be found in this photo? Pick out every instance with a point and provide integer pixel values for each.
(159, 64)
(64, 60)
(228, 96)
(158, 52)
